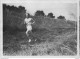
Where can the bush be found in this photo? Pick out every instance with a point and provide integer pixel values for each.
(39, 13)
(13, 18)
(51, 15)
(61, 17)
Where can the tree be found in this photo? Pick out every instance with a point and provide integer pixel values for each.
(13, 17)
(21, 8)
(39, 13)
(61, 17)
(51, 15)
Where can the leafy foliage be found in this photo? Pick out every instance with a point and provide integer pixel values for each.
(13, 17)
(39, 13)
(61, 17)
(51, 15)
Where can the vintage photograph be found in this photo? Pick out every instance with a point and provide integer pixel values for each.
(40, 28)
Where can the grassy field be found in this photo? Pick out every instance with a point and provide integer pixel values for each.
(53, 36)
(48, 43)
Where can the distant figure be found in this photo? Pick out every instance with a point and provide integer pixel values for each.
(28, 23)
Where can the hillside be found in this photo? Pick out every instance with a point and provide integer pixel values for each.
(14, 22)
(55, 40)
(48, 44)
(50, 23)
(53, 36)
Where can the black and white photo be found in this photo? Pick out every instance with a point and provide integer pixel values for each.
(40, 28)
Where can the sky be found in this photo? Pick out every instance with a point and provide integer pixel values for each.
(57, 7)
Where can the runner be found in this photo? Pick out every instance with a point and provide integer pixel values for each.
(28, 23)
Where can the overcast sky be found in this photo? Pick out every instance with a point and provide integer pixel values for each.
(58, 7)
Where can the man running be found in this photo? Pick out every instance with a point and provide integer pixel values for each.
(28, 23)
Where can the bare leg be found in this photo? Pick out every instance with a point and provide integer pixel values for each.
(29, 29)
(29, 40)
(27, 33)
(28, 36)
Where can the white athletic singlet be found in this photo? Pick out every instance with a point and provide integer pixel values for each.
(27, 20)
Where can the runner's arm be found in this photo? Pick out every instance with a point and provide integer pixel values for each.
(33, 21)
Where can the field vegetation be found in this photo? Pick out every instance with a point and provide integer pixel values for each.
(53, 36)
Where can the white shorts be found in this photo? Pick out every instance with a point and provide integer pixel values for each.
(29, 27)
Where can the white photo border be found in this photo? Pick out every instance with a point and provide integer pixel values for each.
(22, 1)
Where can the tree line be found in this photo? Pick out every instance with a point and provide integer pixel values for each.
(20, 9)
(13, 17)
